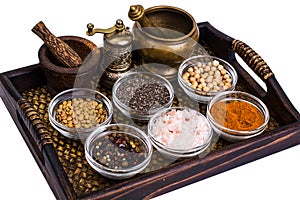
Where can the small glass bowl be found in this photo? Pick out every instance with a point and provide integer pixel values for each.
(232, 135)
(83, 93)
(200, 95)
(175, 132)
(126, 90)
(118, 151)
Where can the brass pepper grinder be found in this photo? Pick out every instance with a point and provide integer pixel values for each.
(117, 58)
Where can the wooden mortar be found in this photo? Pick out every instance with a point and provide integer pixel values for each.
(59, 77)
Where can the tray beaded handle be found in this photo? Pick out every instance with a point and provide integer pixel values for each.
(34, 122)
(42, 138)
(29, 114)
(274, 90)
(252, 59)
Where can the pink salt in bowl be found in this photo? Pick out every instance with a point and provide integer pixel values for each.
(180, 132)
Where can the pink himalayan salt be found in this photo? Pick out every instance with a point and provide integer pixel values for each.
(181, 129)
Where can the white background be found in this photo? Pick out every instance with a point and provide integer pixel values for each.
(269, 27)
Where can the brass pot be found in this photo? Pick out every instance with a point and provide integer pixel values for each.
(178, 42)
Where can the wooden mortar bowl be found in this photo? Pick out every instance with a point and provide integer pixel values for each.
(60, 78)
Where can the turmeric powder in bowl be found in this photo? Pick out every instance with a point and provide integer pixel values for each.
(236, 115)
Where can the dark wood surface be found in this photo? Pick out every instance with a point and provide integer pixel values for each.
(179, 174)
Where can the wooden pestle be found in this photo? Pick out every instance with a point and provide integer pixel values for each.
(59, 49)
(137, 13)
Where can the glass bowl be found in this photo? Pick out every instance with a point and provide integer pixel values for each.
(202, 77)
(180, 132)
(118, 151)
(139, 95)
(240, 114)
(76, 112)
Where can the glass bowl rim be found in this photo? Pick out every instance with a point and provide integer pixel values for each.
(173, 150)
(259, 104)
(56, 99)
(128, 109)
(232, 72)
(118, 172)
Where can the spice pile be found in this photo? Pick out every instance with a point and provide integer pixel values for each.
(207, 77)
(142, 96)
(237, 115)
(80, 113)
(181, 129)
(119, 151)
(149, 96)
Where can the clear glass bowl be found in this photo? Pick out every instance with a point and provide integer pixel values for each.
(200, 95)
(180, 132)
(83, 93)
(137, 85)
(232, 135)
(105, 150)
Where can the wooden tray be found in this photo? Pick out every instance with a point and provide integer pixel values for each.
(63, 164)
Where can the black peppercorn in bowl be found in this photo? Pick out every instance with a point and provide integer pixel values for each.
(118, 151)
(77, 112)
(237, 116)
(139, 95)
(203, 76)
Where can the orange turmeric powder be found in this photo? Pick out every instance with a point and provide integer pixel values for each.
(237, 115)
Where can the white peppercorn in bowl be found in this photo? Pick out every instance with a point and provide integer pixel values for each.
(139, 95)
(180, 132)
(77, 112)
(118, 151)
(203, 76)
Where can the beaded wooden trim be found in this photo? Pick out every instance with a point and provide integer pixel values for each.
(253, 60)
(34, 122)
